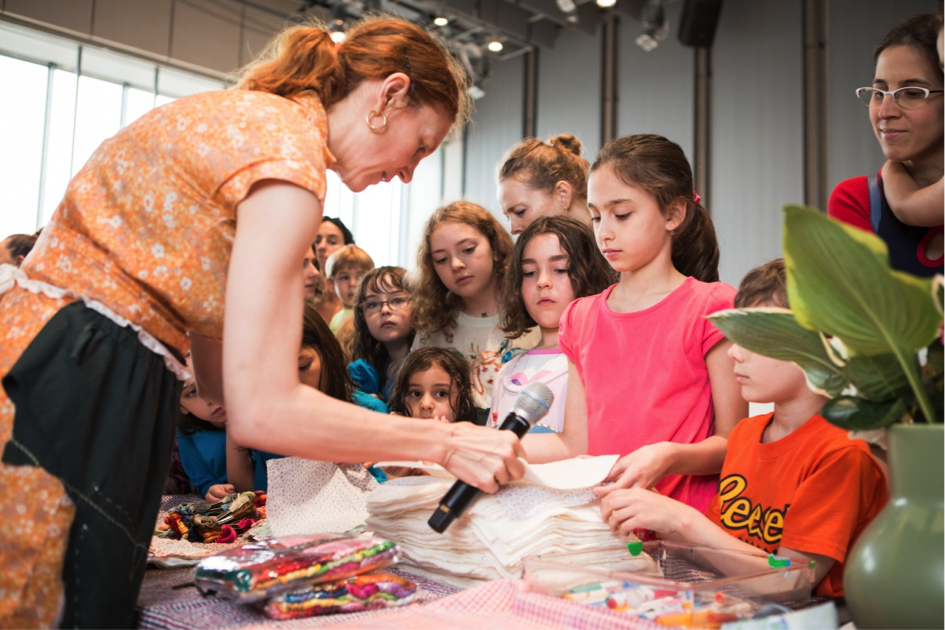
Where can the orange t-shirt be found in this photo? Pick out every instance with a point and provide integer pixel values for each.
(814, 491)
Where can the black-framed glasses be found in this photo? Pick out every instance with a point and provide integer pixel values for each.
(396, 303)
(905, 97)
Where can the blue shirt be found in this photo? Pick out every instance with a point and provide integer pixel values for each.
(203, 456)
(260, 477)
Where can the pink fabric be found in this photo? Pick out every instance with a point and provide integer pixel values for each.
(502, 604)
(645, 376)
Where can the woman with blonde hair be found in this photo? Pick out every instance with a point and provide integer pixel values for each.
(206, 202)
(542, 179)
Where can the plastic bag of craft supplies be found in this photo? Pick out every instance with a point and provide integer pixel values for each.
(370, 591)
(261, 570)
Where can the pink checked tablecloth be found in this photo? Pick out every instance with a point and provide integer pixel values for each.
(168, 600)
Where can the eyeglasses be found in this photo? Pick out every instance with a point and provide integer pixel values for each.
(397, 303)
(905, 97)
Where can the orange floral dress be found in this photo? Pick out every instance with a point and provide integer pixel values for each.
(143, 235)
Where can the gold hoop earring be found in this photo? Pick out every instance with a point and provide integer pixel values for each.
(371, 115)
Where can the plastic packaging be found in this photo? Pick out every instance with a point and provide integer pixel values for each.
(695, 587)
(370, 591)
(267, 568)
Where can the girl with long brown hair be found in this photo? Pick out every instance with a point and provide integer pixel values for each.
(649, 376)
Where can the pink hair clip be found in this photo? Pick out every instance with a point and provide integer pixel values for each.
(695, 197)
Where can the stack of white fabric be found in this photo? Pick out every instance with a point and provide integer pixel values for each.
(551, 511)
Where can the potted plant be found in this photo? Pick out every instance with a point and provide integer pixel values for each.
(869, 338)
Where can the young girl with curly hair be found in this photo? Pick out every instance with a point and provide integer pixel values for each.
(462, 261)
(434, 383)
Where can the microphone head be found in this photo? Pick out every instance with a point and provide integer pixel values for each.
(533, 402)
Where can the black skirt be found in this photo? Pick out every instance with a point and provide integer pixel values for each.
(97, 409)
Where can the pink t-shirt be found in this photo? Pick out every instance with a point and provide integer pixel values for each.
(645, 376)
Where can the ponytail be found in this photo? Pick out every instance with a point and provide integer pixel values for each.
(304, 58)
(659, 167)
(300, 58)
(695, 248)
(542, 165)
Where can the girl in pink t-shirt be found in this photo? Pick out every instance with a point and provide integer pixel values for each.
(555, 261)
(649, 375)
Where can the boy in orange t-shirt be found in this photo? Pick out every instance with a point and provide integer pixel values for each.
(791, 483)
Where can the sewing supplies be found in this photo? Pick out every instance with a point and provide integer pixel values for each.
(264, 569)
(370, 591)
(220, 522)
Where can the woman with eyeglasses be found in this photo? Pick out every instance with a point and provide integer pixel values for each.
(905, 108)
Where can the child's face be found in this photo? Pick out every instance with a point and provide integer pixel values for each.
(431, 394)
(546, 285)
(309, 274)
(388, 313)
(630, 229)
(310, 369)
(328, 240)
(767, 380)
(462, 258)
(193, 404)
(522, 203)
(345, 282)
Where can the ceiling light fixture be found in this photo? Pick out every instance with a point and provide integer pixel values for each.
(606, 4)
(495, 45)
(337, 30)
(441, 21)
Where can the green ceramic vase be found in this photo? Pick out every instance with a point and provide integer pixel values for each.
(895, 575)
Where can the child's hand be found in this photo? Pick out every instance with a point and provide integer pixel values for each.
(442, 419)
(218, 492)
(628, 510)
(642, 468)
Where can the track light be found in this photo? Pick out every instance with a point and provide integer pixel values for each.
(494, 45)
(441, 21)
(654, 21)
(337, 30)
(605, 4)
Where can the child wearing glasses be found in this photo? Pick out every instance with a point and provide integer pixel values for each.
(902, 204)
(383, 330)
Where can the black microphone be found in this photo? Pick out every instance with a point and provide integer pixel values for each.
(531, 406)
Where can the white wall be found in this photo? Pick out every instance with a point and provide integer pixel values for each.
(569, 89)
(497, 125)
(757, 122)
(655, 88)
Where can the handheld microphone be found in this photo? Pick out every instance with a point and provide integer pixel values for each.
(531, 406)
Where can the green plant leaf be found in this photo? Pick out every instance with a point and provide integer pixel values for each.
(773, 332)
(857, 414)
(877, 378)
(938, 290)
(839, 282)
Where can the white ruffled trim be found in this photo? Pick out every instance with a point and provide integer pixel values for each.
(10, 275)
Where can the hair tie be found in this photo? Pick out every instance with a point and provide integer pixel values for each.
(695, 197)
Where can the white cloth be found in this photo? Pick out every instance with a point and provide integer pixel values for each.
(479, 341)
(551, 511)
(310, 497)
